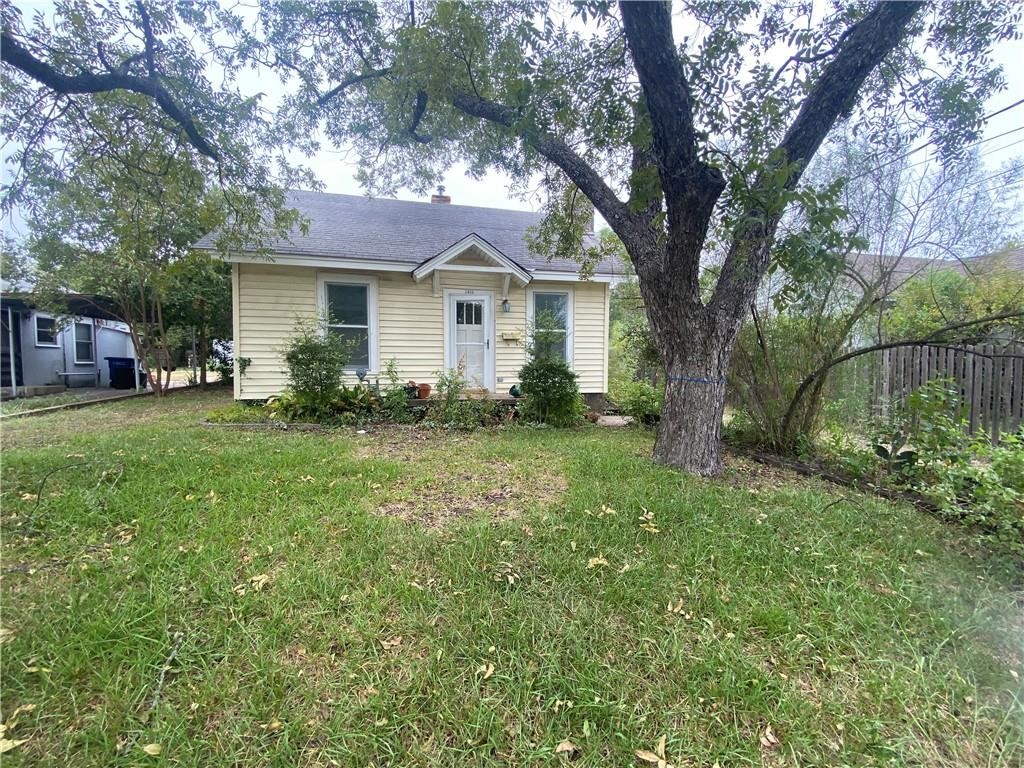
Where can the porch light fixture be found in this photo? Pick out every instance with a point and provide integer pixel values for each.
(506, 306)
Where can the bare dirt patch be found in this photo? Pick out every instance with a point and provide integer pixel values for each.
(450, 476)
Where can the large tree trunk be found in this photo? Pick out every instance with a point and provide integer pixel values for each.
(695, 347)
(690, 430)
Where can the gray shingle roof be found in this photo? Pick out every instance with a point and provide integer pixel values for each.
(376, 229)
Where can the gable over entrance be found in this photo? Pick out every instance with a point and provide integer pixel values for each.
(472, 254)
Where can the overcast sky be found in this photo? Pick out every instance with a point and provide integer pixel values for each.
(337, 172)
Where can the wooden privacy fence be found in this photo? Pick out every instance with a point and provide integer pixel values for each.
(990, 378)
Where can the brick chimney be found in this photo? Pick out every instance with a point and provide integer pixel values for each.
(440, 197)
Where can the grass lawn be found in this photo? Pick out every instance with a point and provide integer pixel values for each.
(403, 598)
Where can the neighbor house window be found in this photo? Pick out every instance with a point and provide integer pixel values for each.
(350, 307)
(83, 343)
(551, 317)
(46, 332)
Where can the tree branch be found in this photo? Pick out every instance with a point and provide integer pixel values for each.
(648, 27)
(147, 32)
(834, 93)
(859, 51)
(417, 117)
(559, 153)
(18, 56)
(349, 81)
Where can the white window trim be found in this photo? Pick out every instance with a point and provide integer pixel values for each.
(92, 341)
(35, 331)
(323, 279)
(490, 359)
(570, 312)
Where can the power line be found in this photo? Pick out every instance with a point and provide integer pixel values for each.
(971, 146)
(928, 143)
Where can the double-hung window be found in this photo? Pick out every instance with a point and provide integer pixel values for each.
(551, 317)
(350, 308)
(46, 331)
(84, 344)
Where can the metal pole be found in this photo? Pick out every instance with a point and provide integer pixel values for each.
(135, 362)
(195, 378)
(10, 356)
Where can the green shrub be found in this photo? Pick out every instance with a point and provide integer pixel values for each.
(222, 362)
(641, 401)
(550, 393)
(349, 405)
(927, 449)
(394, 399)
(447, 408)
(315, 361)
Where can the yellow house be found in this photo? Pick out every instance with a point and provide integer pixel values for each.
(433, 286)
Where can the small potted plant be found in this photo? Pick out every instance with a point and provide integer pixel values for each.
(411, 389)
(424, 391)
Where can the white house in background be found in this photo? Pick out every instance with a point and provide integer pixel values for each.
(434, 286)
(48, 353)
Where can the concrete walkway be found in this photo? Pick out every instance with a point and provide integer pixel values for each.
(614, 421)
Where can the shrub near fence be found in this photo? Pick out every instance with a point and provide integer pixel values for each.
(989, 377)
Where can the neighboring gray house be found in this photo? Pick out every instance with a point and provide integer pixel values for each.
(48, 353)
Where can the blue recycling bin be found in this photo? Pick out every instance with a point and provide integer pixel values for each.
(121, 373)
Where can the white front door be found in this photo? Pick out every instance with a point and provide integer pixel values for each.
(470, 343)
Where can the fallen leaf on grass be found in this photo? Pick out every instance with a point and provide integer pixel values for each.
(6, 745)
(29, 497)
(679, 609)
(260, 581)
(648, 523)
(273, 726)
(768, 738)
(153, 749)
(12, 719)
(567, 748)
(6, 635)
(594, 562)
(126, 533)
(486, 669)
(655, 758)
(391, 642)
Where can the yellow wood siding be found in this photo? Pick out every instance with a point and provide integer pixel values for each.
(271, 299)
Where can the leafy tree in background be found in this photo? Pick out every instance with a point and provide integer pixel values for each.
(199, 301)
(940, 297)
(107, 74)
(117, 228)
(829, 291)
(670, 143)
